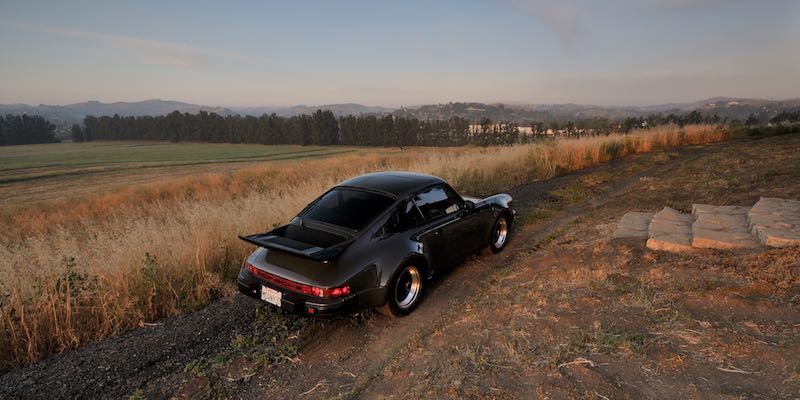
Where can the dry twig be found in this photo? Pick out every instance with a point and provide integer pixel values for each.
(734, 370)
(322, 382)
(579, 360)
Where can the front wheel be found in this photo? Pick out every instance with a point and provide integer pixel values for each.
(405, 292)
(500, 233)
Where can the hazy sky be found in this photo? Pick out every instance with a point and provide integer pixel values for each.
(236, 53)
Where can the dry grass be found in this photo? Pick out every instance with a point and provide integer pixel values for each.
(76, 271)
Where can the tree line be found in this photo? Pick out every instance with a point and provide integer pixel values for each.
(323, 128)
(786, 117)
(319, 128)
(693, 118)
(26, 129)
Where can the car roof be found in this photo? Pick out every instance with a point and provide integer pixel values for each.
(397, 183)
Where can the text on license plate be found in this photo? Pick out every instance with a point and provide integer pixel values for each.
(271, 296)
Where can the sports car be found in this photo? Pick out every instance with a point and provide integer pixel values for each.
(373, 241)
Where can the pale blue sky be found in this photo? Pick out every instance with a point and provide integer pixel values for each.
(623, 52)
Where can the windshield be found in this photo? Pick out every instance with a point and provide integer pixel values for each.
(349, 208)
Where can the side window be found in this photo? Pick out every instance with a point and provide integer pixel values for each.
(457, 200)
(406, 217)
(435, 203)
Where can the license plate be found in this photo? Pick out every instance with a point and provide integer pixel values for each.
(271, 296)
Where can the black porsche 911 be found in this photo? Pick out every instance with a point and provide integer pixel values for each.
(372, 241)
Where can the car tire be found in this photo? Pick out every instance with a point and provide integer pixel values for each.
(406, 289)
(501, 232)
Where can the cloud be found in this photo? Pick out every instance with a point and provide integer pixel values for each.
(171, 54)
(562, 17)
(669, 4)
(565, 17)
(649, 7)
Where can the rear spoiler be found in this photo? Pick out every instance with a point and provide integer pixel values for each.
(272, 241)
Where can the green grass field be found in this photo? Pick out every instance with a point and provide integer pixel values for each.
(60, 155)
(47, 171)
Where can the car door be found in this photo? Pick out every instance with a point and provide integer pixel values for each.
(470, 233)
(440, 232)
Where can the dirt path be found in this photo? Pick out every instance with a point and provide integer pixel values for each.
(114, 368)
(500, 326)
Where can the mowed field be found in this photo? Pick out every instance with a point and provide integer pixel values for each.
(32, 173)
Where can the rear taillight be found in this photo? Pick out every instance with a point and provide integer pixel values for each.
(299, 287)
(331, 292)
(277, 280)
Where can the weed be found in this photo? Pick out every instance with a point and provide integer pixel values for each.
(198, 367)
(548, 239)
(666, 314)
(137, 394)
(218, 392)
(533, 215)
(601, 341)
(612, 150)
(596, 178)
(267, 345)
(661, 158)
(572, 193)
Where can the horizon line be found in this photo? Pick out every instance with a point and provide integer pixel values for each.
(511, 103)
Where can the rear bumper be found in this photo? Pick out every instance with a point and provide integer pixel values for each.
(298, 303)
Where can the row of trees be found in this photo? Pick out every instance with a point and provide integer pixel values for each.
(320, 128)
(323, 128)
(26, 129)
(788, 116)
(692, 118)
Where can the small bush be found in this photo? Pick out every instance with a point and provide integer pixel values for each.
(612, 150)
(602, 341)
(764, 131)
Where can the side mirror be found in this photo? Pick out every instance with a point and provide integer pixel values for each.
(469, 206)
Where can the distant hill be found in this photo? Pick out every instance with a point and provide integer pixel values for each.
(742, 108)
(337, 109)
(515, 112)
(74, 113)
(732, 108)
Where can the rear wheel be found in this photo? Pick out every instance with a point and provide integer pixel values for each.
(500, 233)
(405, 291)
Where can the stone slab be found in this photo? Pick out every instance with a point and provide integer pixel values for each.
(633, 225)
(670, 230)
(721, 227)
(775, 222)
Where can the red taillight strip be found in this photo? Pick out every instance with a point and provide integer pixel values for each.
(277, 280)
(299, 287)
(332, 292)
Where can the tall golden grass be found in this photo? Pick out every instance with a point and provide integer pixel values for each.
(77, 271)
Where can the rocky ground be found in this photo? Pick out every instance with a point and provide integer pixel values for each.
(566, 311)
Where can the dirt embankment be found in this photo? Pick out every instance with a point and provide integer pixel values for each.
(564, 312)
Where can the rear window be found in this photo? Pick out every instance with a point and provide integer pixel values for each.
(349, 208)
